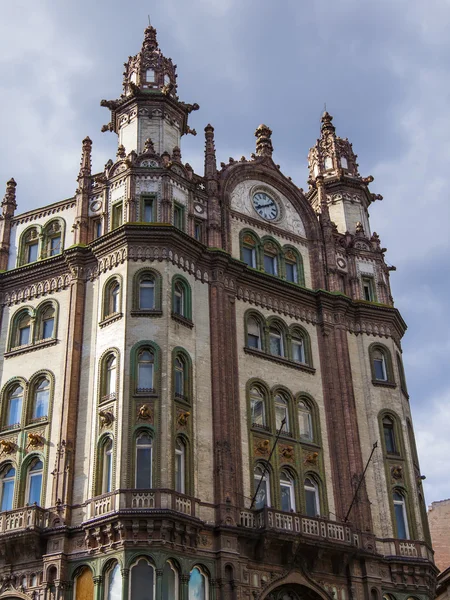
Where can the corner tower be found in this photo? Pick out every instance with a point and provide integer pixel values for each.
(149, 106)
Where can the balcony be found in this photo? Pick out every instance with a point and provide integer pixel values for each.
(410, 549)
(130, 501)
(307, 527)
(29, 518)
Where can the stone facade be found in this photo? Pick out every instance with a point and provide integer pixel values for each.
(202, 391)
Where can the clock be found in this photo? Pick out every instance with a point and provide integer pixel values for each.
(96, 205)
(265, 206)
(198, 208)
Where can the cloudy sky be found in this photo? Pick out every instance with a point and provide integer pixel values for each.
(382, 68)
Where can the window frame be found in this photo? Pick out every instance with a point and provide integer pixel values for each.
(261, 396)
(385, 352)
(180, 354)
(151, 445)
(144, 201)
(108, 301)
(291, 486)
(178, 220)
(30, 465)
(368, 288)
(135, 562)
(316, 488)
(5, 470)
(250, 241)
(138, 277)
(266, 476)
(117, 215)
(404, 510)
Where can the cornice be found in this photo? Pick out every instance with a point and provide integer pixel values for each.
(44, 211)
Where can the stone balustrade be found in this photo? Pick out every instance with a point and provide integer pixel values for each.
(27, 518)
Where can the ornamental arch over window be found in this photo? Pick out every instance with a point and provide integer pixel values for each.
(21, 332)
(142, 579)
(306, 419)
(13, 402)
(181, 297)
(40, 391)
(250, 244)
(287, 491)
(277, 337)
(171, 581)
(105, 465)
(271, 256)
(198, 584)
(33, 326)
(53, 237)
(46, 321)
(281, 406)
(381, 365)
(113, 581)
(391, 434)
(254, 323)
(293, 265)
(112, 296)
(145, 368)
(312, 496)
(181, 465)
(29, 246)
(258, 395)
(33, 470)
(143, 459)
(147, 292)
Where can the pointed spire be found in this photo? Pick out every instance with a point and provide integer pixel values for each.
(210, 153)
(86, 163)
(9, 204)
(327, 123)
(263, 142)
(150, 42)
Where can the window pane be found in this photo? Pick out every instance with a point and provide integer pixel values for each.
(257, 411)
(311, 503)
(34, 494)
(15, 406)
(180, 468)
(261, 499)
(32, 253)
(147, 211)
(142, 586)
(291, 272)
(55, 246)
(115, 584)
(24, 335)
(286, 497)
(275, 343)
(380, 370)
(169, 583)
(280, 414)
(143, 467)
(197, 585)
(304, 421)
(178, 299)
(298, 350)
(107, 468)
(8, 489)
(400, 516)
(41, 400)
(147, 294)
(389, 436)
(270, 264)
(248, 255)
(47, 328)
(98, 229)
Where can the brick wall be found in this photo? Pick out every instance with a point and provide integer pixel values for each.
(439, 519)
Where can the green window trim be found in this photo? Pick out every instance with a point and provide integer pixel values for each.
(179, 216)
(134, 365)
(23, 478)
(148, 208)
(34, 317)
(383, 373)
(103, 479)
(109, 375)
(117, 219)
(52, 231)
(292, 256)
(401, 375)
(179, 353)
(112, 297)
(184, 439)
(31, 236)
(140, 276)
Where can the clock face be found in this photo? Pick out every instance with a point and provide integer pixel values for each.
(265, 206)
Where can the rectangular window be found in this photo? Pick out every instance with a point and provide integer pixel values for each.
(252, 341)
(32, 252)
(311, 503)
(249, 256)
(380, 369)
(262, 497)
(35, 489)
(270, 264)
(257, 407)
(7, 495)
(198, 231)
(24, 336)
(178, 216)
(15, 411)
(298, 351)
(368, 289)
(147, 209)
(117, 215)
(55, 246)
(291, 272)
(400, 517)
(286, 500)
(144, 467)
(276, 344)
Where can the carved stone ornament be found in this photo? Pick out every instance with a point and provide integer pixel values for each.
(106, 417)
(182, 419)
(287, 452)
(261, 447)
(145, 413)
(311, 458)
(397, 472)
(8, 446)
(35, 440)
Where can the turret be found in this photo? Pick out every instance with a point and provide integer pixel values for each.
(9, 205)
(149, 106)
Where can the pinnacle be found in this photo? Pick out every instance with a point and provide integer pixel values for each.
(11, 182)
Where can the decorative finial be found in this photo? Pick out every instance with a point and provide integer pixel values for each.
(327, 122)
(263, 142)
(86, 163)
(149, 147)
(210, 153)
(9, 201)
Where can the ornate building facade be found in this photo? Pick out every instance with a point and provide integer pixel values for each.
(196, 370)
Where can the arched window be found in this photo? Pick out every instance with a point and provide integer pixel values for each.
(142, 580)
(110, 376)
(287, 494)
(401, 518)
(111, 298)
(390, 441)
(248, 250)
(281, 413)
(52, 236)
(23, 330)
(257, 408)
(305, 424)
(379, 365)
(47, 322)
(298, 346)
(114, 583)
(198, 585)
(181, 298)
(147, 292)
(180, 466)
(41, 397)
(170, 582)
(293, 266)
(8, 480)
(262, 480)
(270, 255)
(254, 333)
(15, 402)
(311, 497)
(30, 248)
(107, 466)
(34, 482)
(144, 452)
(276, 341)
(146, 371)
(84, 585)
(179, 367)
